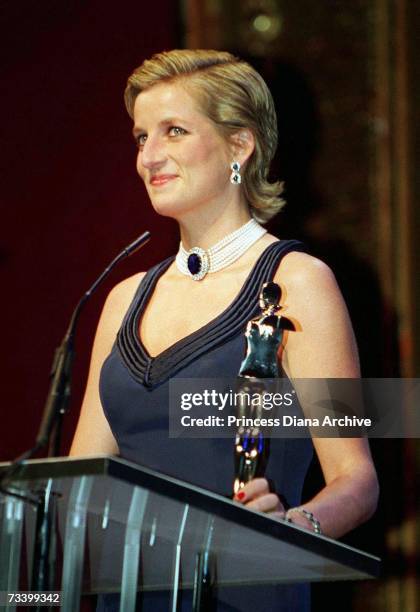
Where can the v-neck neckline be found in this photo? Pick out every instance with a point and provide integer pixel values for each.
(154, 370)
(202, 330)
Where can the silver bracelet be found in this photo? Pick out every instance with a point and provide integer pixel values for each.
(316, 526)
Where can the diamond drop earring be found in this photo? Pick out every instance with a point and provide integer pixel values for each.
(235, 177)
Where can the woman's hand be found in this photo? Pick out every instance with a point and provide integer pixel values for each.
(256, 495)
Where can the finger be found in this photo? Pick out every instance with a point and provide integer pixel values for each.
(277, 515)
(266, 503)
(253, 489)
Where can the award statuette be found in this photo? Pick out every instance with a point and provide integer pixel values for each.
(264, 335)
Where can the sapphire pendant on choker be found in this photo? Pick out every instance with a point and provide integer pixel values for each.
(198, 263)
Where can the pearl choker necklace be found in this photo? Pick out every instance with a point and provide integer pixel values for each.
(196, 262)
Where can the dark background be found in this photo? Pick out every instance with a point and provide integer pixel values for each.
(70, 195)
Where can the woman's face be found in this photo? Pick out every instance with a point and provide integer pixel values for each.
(182, 159)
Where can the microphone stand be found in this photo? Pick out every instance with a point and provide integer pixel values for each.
(56, 406)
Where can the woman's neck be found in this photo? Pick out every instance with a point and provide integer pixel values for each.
(206, 231)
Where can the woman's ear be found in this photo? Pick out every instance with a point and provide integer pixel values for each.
(242, 145)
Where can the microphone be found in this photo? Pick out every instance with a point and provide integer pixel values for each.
(59, 393)
(60, 386)
(129, 250)
(136, 244)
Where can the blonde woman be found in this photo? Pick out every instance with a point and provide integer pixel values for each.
(206, 132)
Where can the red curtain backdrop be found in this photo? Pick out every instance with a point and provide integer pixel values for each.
(70, 195)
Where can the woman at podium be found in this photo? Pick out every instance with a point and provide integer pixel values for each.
(205, 128)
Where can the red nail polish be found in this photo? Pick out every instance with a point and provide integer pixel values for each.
(240, 495)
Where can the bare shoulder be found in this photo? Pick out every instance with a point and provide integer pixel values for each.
(323, 342)
(308, 284)
(126, 289)
(121, 296)
(300, 270)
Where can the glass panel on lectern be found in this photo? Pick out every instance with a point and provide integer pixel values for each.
(163, 536)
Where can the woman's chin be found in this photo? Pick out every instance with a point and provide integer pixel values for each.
(170, 209)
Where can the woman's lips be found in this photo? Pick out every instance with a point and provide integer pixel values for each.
(162, 179)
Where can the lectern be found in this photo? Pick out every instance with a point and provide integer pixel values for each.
(121, 528)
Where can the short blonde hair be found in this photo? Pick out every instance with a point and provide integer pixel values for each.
(232, 95)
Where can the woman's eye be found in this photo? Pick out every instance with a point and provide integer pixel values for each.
(176, 131)
(141, 139)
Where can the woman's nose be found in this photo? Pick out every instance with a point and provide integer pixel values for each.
(153, 153)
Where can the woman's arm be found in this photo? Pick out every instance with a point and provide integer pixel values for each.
(93, 435)
(322, 347)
